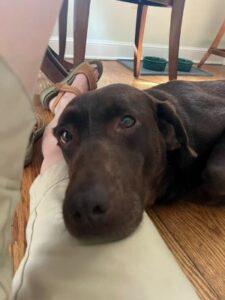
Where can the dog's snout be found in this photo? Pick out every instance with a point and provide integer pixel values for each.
(90, 205)
(103, 192)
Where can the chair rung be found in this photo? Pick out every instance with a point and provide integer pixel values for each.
(217, 51)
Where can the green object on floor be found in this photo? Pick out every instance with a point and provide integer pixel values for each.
(154, 63)
(184, 65)
(129, 63)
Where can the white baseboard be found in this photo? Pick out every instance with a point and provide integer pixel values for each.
(113, 50)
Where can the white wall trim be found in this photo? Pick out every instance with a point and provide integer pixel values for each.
(112, 50)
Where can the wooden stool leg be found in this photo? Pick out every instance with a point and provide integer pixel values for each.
(174, 40)
(63, 30)
(81, 15)
(214, 44)
(139, 34)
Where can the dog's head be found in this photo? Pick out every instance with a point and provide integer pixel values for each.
(115, 141)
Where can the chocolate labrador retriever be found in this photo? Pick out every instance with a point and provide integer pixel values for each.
(127, 149)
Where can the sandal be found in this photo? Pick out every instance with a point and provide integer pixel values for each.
(35, 135)
(64, 86)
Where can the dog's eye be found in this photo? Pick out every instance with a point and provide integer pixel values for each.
(127, 122)
(65, 136)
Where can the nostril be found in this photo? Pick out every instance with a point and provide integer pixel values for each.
(98, 210)
(76, 215)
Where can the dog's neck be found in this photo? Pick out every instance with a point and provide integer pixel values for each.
(166, 192)
(156, 183)
(173, 178)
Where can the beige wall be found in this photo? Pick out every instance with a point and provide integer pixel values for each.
(112, 20)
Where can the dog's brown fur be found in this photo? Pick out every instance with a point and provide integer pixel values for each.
(176, 146)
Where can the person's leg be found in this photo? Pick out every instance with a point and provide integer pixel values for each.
(25, 27)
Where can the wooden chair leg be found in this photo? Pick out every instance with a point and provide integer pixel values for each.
(63, 30)
(214, 44)
(139, 34)
(174, 39)
(52, 68)
(204, 58)
(81, 15)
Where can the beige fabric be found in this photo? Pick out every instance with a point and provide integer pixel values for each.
(57, 266)
(16, 121)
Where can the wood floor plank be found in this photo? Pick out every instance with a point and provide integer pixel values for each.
(202, 287)
(200, 232)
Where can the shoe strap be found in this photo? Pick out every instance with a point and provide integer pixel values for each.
(64, 88)
(89, 73)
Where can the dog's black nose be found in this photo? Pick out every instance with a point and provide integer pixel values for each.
(88, 205)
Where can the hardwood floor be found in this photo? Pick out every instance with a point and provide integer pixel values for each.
(195, 234)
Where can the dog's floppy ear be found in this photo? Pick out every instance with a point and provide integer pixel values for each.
(172, 127)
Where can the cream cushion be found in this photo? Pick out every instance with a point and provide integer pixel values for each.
(58, 266)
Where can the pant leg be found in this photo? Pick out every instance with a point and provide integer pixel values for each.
(16, 121)
(60, 267)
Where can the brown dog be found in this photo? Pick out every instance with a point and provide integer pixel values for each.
(127, 149)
